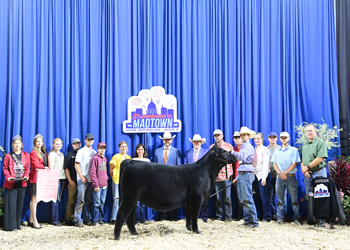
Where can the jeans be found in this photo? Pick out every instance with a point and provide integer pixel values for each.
(291, 185)
(98, 202)
(84, 201)
(307, 181)
(264, 194)
(223, 200)
(245, 195)
(140, 212)
(54, 216)
(272, 194)
(115, 207)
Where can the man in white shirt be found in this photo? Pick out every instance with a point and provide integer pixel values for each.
(84, 186)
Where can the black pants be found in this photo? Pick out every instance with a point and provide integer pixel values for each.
(13, 207)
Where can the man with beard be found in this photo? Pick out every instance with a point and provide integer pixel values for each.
(171, 156)
(71, 173)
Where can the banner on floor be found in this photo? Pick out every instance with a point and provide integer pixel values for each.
(152, 111)
(47, 185)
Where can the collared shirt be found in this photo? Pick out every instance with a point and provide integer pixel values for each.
(168, 148)
(262, 168)
(84, 156)
(245, 155)
(196, 151)
(272, 169)
(286, 157)
(312, 150)
(222, 173)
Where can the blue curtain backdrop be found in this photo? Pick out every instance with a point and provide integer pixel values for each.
(68, 68)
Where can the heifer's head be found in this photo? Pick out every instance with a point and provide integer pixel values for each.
(222, 155)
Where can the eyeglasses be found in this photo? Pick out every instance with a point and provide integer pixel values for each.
(91, 139)
(283, 138)
(272, 137)
(309, 131)
(244, 135)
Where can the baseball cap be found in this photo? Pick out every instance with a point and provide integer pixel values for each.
(236, 134)
(75, 140)
(217, 132)
(284, 134)
(101, 144)
(272, 134)
(89, 136)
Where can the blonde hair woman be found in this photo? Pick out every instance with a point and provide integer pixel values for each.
(56, 160)
(114, 171)
(38, 160)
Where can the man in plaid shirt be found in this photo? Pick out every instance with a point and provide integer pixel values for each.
(223, 198)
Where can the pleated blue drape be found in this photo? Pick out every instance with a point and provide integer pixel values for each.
(68, 67)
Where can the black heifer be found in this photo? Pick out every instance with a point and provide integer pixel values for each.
(167, 187)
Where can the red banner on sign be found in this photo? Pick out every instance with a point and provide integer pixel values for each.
(47, 185)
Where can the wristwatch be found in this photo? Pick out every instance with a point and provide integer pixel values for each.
(308, 166)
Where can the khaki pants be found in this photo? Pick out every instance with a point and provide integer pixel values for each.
(72, 200)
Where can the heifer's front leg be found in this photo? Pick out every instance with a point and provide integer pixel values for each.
(188, 218)
(194, 213)
(130, 221)
(123, 213)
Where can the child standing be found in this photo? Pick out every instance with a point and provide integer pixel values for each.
(99, 179)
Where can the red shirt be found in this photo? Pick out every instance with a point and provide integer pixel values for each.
(237, 148)
(222, 173)
(8, 166)
(36, 164)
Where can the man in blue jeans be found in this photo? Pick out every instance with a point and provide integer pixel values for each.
(84, 186)
(245, 178)
(285, 160)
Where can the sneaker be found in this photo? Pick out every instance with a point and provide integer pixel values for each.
(253, 225)
(296, 222)
(95, 224)
(229, 219)
(57, 224)
(245, 223)
(101, 222)
(280, 222)
(80, 224)
(112, 222)
(265, 220)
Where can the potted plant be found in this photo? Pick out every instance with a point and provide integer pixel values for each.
(326, 134)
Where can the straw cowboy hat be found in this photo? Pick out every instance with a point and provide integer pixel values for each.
(246, 130)
(197, 137)
(166, 136)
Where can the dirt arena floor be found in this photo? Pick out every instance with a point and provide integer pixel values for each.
(173, 235)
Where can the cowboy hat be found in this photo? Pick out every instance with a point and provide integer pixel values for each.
(236, 134)
(197, 137)
(166, 136)
(246, 130)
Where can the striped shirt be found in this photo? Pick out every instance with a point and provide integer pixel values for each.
(222, 173)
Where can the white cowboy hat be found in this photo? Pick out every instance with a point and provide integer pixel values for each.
(166, 136)
(197, 137)
(246, 130)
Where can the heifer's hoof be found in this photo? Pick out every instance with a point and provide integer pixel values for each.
(189, 228)
(116, 237)
(197, 231)
(134, 233)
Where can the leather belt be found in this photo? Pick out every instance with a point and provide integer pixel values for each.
(290, 174)
(244, 172)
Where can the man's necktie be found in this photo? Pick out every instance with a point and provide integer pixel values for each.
(195, 156)
(165, 155)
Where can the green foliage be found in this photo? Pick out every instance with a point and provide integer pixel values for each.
(339, 171)
(326, 134)
(346, 205)
(2, 201)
